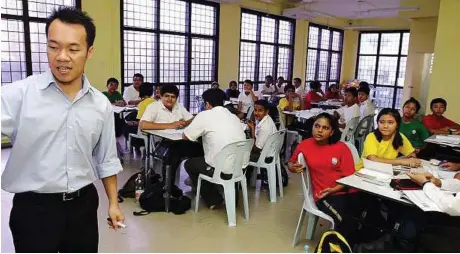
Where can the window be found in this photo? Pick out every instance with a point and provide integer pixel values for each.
(324, 55)
(24, 38)
(171, 42)
(382, 58)
(266, 46)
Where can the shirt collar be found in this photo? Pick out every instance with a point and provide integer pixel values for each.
(364, 102)
(263, 120)
(49, 79)
(165, 108)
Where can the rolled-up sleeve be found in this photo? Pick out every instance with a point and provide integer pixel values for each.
(105, 152)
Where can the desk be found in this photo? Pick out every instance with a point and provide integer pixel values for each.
(433, 140)
(330, 104)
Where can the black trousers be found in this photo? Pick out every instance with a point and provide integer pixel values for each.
(45, 223)
(181, 149)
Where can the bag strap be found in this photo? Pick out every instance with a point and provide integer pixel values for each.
(141, 213)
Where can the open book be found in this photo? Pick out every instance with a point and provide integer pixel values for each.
(376, 171)
(421, 200)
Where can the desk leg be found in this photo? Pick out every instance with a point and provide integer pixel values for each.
(167, 186)
(147, 161)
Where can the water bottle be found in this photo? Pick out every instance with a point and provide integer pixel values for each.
(139, 189)
(306, 248)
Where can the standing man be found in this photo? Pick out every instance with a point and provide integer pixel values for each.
(63, 136)
(131, 93)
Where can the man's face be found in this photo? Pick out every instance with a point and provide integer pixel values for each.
(349, 99)
(169, 100)
(259, 112)
(67, 51)
(247, 88)
(438, 109)
(362, 97)
(280, 81)
(296, 83)
(137, 82)
(268, 81)
(289, 93)
(112, 87)
(233, 86)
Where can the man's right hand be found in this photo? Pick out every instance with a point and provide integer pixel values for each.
(177, 125)
(295, 167)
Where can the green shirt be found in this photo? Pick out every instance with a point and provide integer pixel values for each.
(116, 96)
(415, 131)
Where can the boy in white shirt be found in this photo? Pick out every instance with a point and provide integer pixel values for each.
(269, 87)
(131, 93)
(366, 107)
(350, 110)
(218, 128)
(299, 89)
(280, 84)
(247, 98)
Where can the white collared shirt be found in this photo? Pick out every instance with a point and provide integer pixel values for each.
(247, 100)
(218, 127)
(268, 90)
(130, 94)
(347, 113)
(264, 129)
(446, 202)
(366, 108)
(300, 91)
(281, 89)
(156, 112)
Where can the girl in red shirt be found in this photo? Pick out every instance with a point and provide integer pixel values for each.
(313, 96)
(333, 93)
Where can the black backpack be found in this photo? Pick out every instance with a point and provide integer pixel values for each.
(129, 188)
(332, 242)
(152, 200)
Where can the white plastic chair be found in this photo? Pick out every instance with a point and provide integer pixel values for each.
(354, 152)
(230, 159)
(250, 113)
(138, 135)
(365, 126)
(272, 149)
(348, 132)
(309, 206)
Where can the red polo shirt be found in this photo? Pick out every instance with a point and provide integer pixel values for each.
(326, 164)
(311, 97)
(437, 122)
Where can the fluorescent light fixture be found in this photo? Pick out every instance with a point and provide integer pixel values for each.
(360, 27)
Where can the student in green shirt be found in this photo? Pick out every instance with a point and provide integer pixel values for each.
(411, 127)
(112, 94)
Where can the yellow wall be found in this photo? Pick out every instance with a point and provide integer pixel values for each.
(444, 78)
(300, 49)
(350, 51)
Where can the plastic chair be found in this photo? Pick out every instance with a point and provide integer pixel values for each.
(365, 126)
(309, 206)
(272, 148)
(354, 152)
(349, 131)
(230, 159)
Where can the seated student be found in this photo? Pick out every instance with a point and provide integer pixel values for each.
(280, 84)
(312, 95)
(299, 89)
(232, 91)
(157, 96)
(112, 94)
(350, 110)
(131, 93)
(364, 84)
(411, 127)
(145, 93)
(218, 128)
(269, 87)
(328, 160)
(386, 143)
(262, 129)
(366, 107)
(289, 103)
(333, 93)
(168, 114)
(215, 85)
(247, 99)
(436, 123)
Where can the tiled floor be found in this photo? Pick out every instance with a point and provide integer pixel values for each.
(270, 227)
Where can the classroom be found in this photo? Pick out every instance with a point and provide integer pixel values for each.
(230, 126)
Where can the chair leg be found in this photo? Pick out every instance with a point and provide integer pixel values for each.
(280, 179)
(271, 173)
(244, 188)
(254, 177)
(299, 227)
(312, 221)
(197, 196)
(229, 191)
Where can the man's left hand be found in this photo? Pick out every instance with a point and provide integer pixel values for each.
(115, 215)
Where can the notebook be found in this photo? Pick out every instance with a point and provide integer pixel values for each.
(377, 171)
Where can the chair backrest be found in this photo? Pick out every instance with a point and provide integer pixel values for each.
(250, 113)
(365, 126)
(282, 118)
(354, 152)
(348, 132)
(273, 145)
(232, 158)
(309, 201)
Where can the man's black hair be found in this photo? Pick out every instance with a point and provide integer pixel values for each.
(112, 80)
(215, 97)
(416, 103)
(364, 89)
(263, 103)
(169, 89)
(146, 89)
(438, 100)
(139, 76)
(315, 85)
(249, 82)
(352, 91)
(289, 86)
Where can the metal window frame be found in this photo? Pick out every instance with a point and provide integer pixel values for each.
(378, 55)
(188, 37)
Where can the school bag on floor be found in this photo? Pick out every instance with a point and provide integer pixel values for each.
(333, 242)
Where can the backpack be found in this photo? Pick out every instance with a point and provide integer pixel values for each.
(128, 189)
(332, 242)
(153, 200)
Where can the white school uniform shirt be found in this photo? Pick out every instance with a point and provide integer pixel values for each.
(264, 129)
(268, 90)
(156, 112)
(247, 101)
(446, 202)
(281, 89)
(130, 94)
(347, 113)
(218, 127)
(300, 91)
(366, 108)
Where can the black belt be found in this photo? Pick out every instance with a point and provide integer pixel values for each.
(61, 196)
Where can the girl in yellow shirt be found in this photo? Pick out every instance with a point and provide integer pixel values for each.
(386, 143)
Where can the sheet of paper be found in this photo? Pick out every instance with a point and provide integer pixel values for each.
(381, 177)
(421, 200)
(451, 139)
(383, 168)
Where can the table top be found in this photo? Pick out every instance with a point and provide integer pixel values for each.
(167, 134)
(434, 140)
(329, 103)
(307, 114)
(277, 95)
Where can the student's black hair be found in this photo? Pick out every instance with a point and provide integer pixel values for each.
(263, 103)
(169, 89)
(139, 76)
(146, 89)
(336, 135)
(249, 82)
(289, 86)
(364, 89)
(398, 140)
(329, 88)
(315, 84)
(72, 15)
(233, 82)
(352, 91)
(298, 79)
(363, 84)
(281, 77)
(438, 100)
(215, 97)
(215, 83)
(413, 100)
(112, 80)
(269, 77)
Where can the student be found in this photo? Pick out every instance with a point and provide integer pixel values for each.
(366, 107)
(411, 127)
(269, 87)
(247, 99)
(112, 94)
(145, 93)
(215, 85)
(232, 91)
(313, 94)
(333, 93)
(280, 84)
(328, 160)
(350, 110)
(386, 143)
(262, 129)
(436, 123)
(157, 96)
(289, 103)
(131, 94)
(299, 89)
(218, 128)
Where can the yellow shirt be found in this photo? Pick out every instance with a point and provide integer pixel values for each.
(284, 103)
(384, 149)
(143, 105)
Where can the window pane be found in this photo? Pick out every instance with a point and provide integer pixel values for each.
(402, 71)
(366, 68)
(203, 19)
(311, 64)
(12, 7)
(386, 74)
(384, 97)
(399, 94)
(325, 36)
(13, 51)
(268, 30)
(203, 61)
(43, 8)
(323, 65)
(248, 26)
(172, 13)
(335, 63)
(336, 41)
(267, 61)
(247, 60)
(139, 13)
(173, 57)
(285, 32)
(389, 44)
(284, 55)
(38, 44)
(195, 96)
(369, 43)
(139, 55)
(313, 35)
(405, 44)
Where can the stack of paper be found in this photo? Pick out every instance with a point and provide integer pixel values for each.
(377, 171)
(450, 139)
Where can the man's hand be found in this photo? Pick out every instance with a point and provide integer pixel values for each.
(295, 167)
(322, 194)
(251, 124)
(177, 125)
(417, 178)
(115, 215)
(451, 166)
(412, 162)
